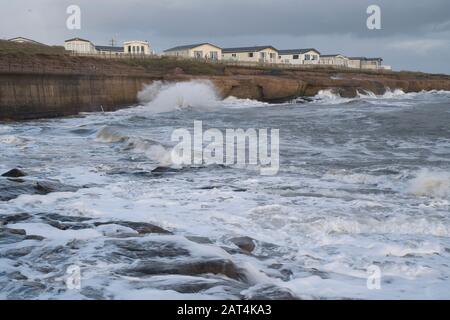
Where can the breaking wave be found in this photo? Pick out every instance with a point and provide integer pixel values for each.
(329, 96)
(152, 149)
(162, 97)
(431, 184)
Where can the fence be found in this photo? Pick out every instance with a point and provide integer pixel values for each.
(88, 67)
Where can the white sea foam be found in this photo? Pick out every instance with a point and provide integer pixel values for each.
(12, 140)
(233, 102)
(330, 97)
(318, 226)
(110, 135)
(431, 184)
(395, 97)
(166, 97)
(152, 149)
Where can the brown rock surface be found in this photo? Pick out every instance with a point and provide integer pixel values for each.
(43, 86)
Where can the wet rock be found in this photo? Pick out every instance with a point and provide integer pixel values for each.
(65, 222)
(271, 292)
(160, 170)
(188, 268)
(132, 250)
(27, 290)
(244, 243)
(17, 276)
(34, 237)
(17, 253)
(92, 293)
(200, 240)
(19, 232)
(13, 218)
(197, 285)
(58, 217)
(12, 188)
(141, 227)
(8, 236)
(14, 173)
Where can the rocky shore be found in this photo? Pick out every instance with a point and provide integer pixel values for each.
(44, 86)
(130, 250)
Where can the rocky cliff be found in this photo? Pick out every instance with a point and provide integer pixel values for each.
(41, 85)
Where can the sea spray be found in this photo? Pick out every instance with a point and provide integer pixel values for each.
(162, 97)
(431, 184)
(152, 149)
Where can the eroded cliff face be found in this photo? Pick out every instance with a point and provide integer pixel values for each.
(59, 86)
(287, 85)
(25, 96)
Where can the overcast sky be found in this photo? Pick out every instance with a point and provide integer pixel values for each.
(415, 35)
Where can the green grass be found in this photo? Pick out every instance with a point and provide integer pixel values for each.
(165, 64)
(23, 49)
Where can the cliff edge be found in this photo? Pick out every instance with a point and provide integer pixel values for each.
(41, 85)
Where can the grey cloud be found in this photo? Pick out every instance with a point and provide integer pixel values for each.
(330, 25)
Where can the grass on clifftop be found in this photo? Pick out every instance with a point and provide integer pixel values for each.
(14, 48)
(164, 64)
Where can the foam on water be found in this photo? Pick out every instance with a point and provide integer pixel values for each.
(357, 188)
(162, 97)
(431, 184)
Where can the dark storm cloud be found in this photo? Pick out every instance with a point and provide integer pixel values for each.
(413, 27)
(177, 18)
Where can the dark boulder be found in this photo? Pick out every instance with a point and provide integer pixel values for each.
(8, 236)
(12, 188)
(244, 243)
(188, 268)
(14, 173)
(13, 218)
(271, 292)
(141, 227)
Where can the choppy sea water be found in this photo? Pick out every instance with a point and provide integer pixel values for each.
(363, 182)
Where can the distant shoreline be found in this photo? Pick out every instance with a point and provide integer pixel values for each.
(47, 85)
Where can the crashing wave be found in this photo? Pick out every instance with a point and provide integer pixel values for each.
(431, 184)
(162, 97)
(152, 149)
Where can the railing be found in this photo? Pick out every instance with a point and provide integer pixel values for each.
(87, 67)
(113, 55)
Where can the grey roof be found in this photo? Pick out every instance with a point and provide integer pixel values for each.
(297, 51)
(109, 48)
(77, 39)
(190, 46)
(331, 55)
(247, 49)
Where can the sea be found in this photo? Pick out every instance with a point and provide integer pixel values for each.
(359, 208)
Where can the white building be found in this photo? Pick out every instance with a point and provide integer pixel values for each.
(196, 51)
(299, 56)
(371, 63)
(109, 50)
(79, 45)
(367, 63)
(82, 46)
(258, 54)
(137, 47)
(334, 60)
